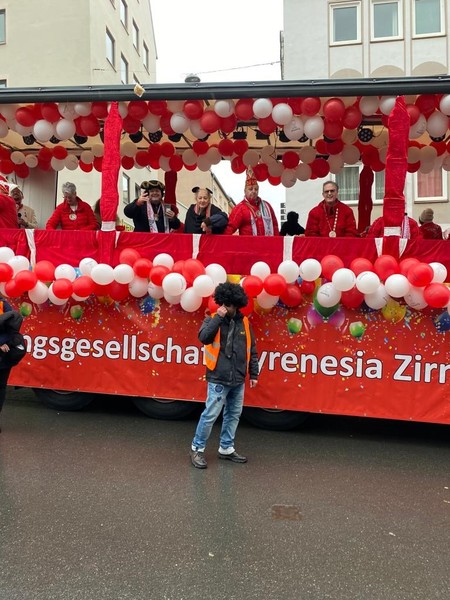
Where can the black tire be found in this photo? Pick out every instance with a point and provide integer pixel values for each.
(274, 420)
(170, 410)
(61, 400)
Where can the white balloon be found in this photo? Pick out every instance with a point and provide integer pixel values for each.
(282, 113)
(163, 259)
(175, 105)
(138, 287)
(250, 158)
(440, 272)
(203, 163)
(367, 282)
(102, 274)
(172, 299)
(86, 265)
(288, 269)
(387, 103)
(224, 108)
(123, 273)
(327, 295)
(83, 108)
(43, 130)
(214, 156)
(31, 161)
(189, 157)
(179, 122)
(397, 285)
(19, 263)
(71, 162)
(368, 105)
(38, 294)
(97, 149)
(155, 291)
(289, 177)
(18, 158)
(310, 269)
(414, 298)
(294, 129)
(57, 164)
(419, 128)
(350, 154)
(128, 149)
(54, 299)
(196, 130)
(87, 157)
(266, 300)
(378, 299)
(444, 104)
(217, 273)
(174, 284)
(260, 269)
(314, 127)
(65, 272)
(343, 279)
(262, 108)
(151, 123)
(4, 129)
(65, 129)
(303, 172)
(308, 154)
(6, 254)
(203, 285)
(190, 301)
(67, 110)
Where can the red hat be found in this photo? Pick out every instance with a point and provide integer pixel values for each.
(250, 178)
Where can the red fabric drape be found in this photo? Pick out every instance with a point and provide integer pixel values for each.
(170, 180)
(111, 165)
(365, 198)
(396, 165)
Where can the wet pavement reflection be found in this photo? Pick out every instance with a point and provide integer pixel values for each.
(104, 504)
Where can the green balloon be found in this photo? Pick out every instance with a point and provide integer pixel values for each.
(325, 311)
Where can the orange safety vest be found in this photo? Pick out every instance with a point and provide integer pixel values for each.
(212, 350)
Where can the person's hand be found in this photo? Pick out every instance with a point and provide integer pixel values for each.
(253, 383)
(22, 222)
(142, 198)
(170, 213)
(205, 227)
(222, 311)
(446, 234)
(4, 348)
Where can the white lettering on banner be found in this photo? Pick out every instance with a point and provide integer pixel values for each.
(408, 368)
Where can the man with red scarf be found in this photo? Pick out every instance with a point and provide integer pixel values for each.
(331, 218)
(73, 213)
(8, 212)
(252, 216)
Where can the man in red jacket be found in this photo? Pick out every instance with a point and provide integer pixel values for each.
(331, 218)
(252, 216)
(8, 212)
(73, 213)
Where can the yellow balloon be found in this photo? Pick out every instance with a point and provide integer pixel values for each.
(234, 278)
(394, 311)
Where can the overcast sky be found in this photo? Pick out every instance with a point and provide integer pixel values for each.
(233, 40)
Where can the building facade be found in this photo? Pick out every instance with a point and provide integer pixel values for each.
(335, 39)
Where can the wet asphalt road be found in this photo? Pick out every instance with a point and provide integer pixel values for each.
(104, 504)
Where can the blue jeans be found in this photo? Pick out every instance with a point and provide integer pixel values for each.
(231, 399)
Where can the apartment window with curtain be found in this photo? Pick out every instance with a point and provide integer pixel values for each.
(348, 182)
(126, 189)
(124, 13)
(135, 36)
(386, 19)
(2, 26)
(345, 23)
(431, 186)
(123, 69)
(110, 48)
(428, 17)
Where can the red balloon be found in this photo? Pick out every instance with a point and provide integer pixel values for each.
(127, 162)
(137, 109)
(420, 275)
(252, 285)
(45, 270)
(267, 125)
(275, 284)
(240, 147)
(226, 147)
(386, 265)
(118, 291)
(248, 308)
(237, 165)
(98, 163)
(290, 159)
(261, 172)
(178, 267)
(321, 147)
(25, 116)
(333, 129)
(272, 179)
(192, 268)
(331, 263)
(320, 167)
(154, 151)
(62, 288)
(167, 149)
(129, 256)
(83, 286)
(414, 113)
(335, 147)
(334, 109)
(310, 106)
(85, 167)
(25, 280)
(200, 147)
(60, 152)
(89, 125)
(157, 107)
(244, 109)
(6, 272)
(142, 267)
(11, 289)
(352, 298)
(22, 170)
(406, 264)
(50, 112)
(426, 103)
(142, 158)
(193, 109)
(359, 265)
(130, 124)
(158, 273)
(176, 163)
(100, 109)
(228, 124)
(6, 166)
(165, 124)
(292, 296)
(307, 287)
(436, 295)
(101, 290)
(210, 121)
(212, 305)
(45, 154)
(352, 117)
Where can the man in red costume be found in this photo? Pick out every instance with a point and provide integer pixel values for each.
(331, 217)
(252, 216)
(8, 212)
(73, 213)
(409, 229)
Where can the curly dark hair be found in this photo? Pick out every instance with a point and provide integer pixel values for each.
(230, 293)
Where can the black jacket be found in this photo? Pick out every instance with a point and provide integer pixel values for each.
(10, 322)
(218, 220)
(140, 217)
(231, 367)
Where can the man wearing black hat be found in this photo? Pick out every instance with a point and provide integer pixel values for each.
(149, 213)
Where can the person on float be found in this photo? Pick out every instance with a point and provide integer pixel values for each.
(25, 214)
(149, 213)
(73, 213)
(8, 212)
(252, 216)
(203, 216)
(429, 229)
(331, 217)
(291, 226)
(408, 230)
(230, 355)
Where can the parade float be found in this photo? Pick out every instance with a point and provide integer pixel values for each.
(354, 326)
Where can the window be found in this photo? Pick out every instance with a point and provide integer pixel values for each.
(110, 48)
(348, 182)
(386, 21)
(135, 36)
(431, 186)
(345, 25)
(125, 189)
(2, 27)
(123, 69)
(145, 57)
(427, 17)
(124, 13)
